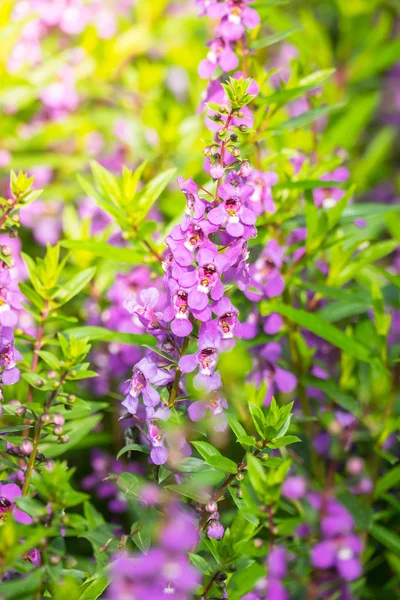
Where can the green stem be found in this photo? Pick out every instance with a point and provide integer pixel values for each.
(178, 374)
(36, 438)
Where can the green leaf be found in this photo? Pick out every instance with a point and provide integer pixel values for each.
(334, 393)
(93, 588)
(306, 184)
(368, 256)
(205, 449)
(72, 287)
(214, 458)
(190, 491)
(223, 463)
(258, 418)
(106, 182)
(386, 537)
(133, 448)
(257, 475)
(22, 588)
(273, 39)
(389, 480)
(76, 431)
(200, 563)
(151, 192)
(325, 330)
(50, 359)
(305, 119)
(103, 250)
(284, 441)
(101, 334)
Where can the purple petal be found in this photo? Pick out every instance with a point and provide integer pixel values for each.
(285, 380)
(197, 299)
(159, 455)
(197, 411)
(216, 215)
(181, 327)
(10, 376)
(323, 555)
(235, 229)
(188, 363)
(275, 286)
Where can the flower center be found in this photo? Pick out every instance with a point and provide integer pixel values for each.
(5, 506)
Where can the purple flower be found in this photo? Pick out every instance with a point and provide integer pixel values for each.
(294, 488)
(265, 273)
(145, 311)
(196, 207)
(184, 243)
(261, 199)
(145, 373)
(215, 529)
(8, 494)
(220, 55)
(267, 369)
(206, 358)
(205, 279)
(329, 197)
(341, 553)
(178, 312)
(232, 213)
(276, 563)
(8, 357)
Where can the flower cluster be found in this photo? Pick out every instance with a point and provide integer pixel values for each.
(164, 570)
(234, 17)
(206, 252)
(10, 305)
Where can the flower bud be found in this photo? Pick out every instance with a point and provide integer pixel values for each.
(211, 506)
(71, 398)
(215, 530)
(240, 477)
(26, 447)
(64, 439)
(21, 411)
(45, 418)
(54, 559)
(58, 430)
(243, 128)
(6, 250)
(58, 419)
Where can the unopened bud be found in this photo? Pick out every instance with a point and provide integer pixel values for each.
(56, 384)
(240, 476)
(243, 128)
(45, 418)
(58, 419)
(235, 152)
(64, 439)
(211, 506)
(39, 383)
(234, 137)
(26, 447)
(239, 493)
(6, 250)
(58, 430)
(21, 411)
(54, 559)
(71, 398)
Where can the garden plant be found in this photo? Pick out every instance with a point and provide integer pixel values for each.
(199, 300)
